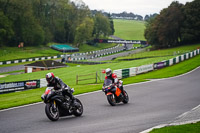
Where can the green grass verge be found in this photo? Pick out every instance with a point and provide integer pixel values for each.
(12, 53)
(98, 46)
(18, 71)
(187, 128)
(31, 96)
(129, 29)
(164, 52)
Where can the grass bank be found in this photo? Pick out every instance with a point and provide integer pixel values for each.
(187, 128)
(12, 53)
(129, 29)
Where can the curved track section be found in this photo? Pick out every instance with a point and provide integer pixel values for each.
(151, 104)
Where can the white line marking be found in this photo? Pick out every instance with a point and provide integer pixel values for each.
(175, 123)
(20, 106)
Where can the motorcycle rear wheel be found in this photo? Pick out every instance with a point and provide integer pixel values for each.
(111, 100)
(52, 114)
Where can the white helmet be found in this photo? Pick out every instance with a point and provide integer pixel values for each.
(108, 72)
(50, 77)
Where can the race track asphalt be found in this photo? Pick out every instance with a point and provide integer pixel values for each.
(151, 104)
(11, 68)
(111, 57)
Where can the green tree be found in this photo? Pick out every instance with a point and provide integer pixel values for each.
(151, 32)
(84, 31)
(112, 27)
(101, 26)
(25, 25)
(165, 30)
(191, 27)
(36, 22)
(6, 31)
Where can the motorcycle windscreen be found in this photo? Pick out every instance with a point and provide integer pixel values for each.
(107, 82)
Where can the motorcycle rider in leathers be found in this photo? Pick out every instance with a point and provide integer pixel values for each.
(59, 85)
(113, 77)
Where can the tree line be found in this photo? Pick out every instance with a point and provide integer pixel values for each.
(176, 25)
(38, 22)
(125, 15)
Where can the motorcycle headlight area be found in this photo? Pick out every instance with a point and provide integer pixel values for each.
(42, 97)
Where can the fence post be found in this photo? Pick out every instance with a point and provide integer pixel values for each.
(96, 77)
(76, 79)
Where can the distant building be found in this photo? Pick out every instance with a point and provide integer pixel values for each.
(43, 65)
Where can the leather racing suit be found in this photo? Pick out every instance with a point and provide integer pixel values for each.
(59, 85)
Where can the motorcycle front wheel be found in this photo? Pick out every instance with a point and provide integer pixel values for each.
(126, 98)
(52, 112)
(111, 100)
(78, 111)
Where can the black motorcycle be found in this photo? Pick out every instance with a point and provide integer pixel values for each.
(58, 105)
(113, 93)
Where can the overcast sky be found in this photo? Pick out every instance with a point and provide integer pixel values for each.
(140, 7)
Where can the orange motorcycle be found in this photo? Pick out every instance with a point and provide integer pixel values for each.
(113, 93)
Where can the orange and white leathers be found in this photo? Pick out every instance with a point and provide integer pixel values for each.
(115, 80)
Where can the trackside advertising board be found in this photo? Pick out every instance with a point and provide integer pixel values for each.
(120, 41)
(160, 65)
(18, 86)
(12, 86)
(144, 68)
(133, 71)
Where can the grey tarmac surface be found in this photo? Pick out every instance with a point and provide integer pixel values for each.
(110, 57)
(151, 103)
(11, 68)
(15, 68)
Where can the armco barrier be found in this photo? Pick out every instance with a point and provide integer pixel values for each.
(43, 82)
(125, 73)
(133, 71)
(118, 73)
(31, 59)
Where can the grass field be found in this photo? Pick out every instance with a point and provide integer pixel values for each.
(187, 128)
(11, 53)
(129, 29)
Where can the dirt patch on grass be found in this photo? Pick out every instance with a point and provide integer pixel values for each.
(4, 75)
